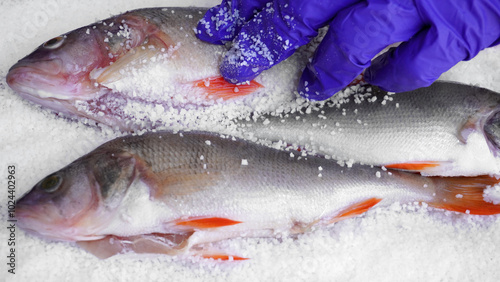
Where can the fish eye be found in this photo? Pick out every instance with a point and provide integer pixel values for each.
(54, 43)
(51, 183)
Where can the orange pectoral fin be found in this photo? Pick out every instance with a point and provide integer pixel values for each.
(210, 222)
(419, 166)
(218, 87)
(355, 209)
(465, 194)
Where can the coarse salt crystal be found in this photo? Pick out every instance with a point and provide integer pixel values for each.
(492, 194)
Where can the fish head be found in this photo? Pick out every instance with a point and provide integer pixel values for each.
(73, 204)
(63, 69)
(59, 69)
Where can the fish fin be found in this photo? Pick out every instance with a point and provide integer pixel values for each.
(424, 166)
(208, 251)
(174, 182)
(218, 87)
(464, 194)
(207, 222)
(134, 58)
(223, 257)
(184, 184)
(114, 72)
(358, 80)
(355, 209)
(160, 39)
(102, 248)
(154, 243)
(164, 185)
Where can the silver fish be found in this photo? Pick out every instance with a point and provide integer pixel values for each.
(171, 193)
(445, 129)
(146, 68)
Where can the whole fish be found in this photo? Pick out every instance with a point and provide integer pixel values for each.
(171, 193)
(445, 129)
(146, 68)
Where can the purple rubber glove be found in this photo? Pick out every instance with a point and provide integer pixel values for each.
(436, 34)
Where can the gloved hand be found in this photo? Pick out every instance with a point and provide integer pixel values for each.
(436, 35)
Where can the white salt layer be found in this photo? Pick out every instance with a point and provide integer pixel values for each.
(401, 243)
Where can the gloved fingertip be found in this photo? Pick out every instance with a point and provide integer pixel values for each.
(236, 70)
(393, 75)
(216, 27)
(312, 88)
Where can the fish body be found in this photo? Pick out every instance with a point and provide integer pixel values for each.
(445, 129)
(170, 193)
(143, 69)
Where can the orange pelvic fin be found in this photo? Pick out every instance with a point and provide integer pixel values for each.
(465, 194)
(209, 222)
(355, 209)
(223, 257)
(425, 167)
(218, 87)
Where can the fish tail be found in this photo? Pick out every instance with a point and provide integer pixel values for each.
(465, 194)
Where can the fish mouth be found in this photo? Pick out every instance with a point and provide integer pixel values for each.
(46, 80)
(38, 221)
(59, 103)
(39, 79)
(30, 220)
(61, 106)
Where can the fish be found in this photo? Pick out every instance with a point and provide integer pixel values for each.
(144, 69)
(169, 193)
(447, 129)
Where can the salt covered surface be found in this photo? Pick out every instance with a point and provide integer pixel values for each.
(397, 243)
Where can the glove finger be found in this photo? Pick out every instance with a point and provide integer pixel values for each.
(416, 63)
(274, 34)
(222, 22)
(421, 60)
(355, 36)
